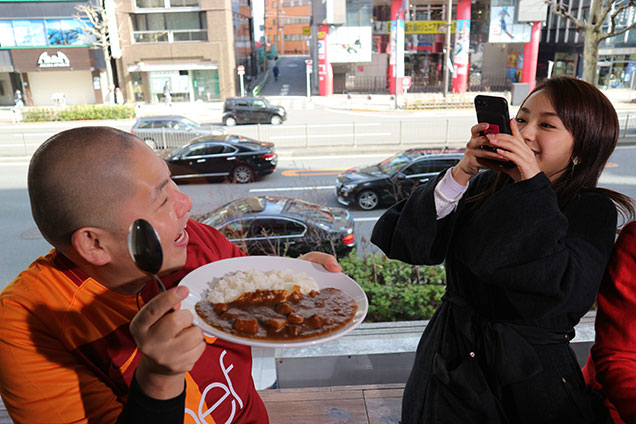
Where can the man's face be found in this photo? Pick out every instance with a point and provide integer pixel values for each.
(157, 199)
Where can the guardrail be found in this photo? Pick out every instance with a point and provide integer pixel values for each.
(398, 134)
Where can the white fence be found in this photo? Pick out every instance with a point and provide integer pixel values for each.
(355, 135)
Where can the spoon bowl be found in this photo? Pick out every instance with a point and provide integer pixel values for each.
(145, 249)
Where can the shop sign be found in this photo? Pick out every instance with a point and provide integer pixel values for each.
(58, 60)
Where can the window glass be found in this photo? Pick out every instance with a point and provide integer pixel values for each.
(6, 34)
(161, 123)
(155, 22)
(149, 3)
(294, 228)
(267, 227)
(441, 164)
(144, 124)
(37, 33)
(259, 103)
(196, 151)
(184, 3)
(214, 149)
(417, 168)
(229, 149)
(187, 20)
(22, 32)
(54, 32)
(72, 32)
(233, 230)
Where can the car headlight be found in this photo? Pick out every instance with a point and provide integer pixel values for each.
(347, 188)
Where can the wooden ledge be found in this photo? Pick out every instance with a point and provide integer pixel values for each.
(371, 404)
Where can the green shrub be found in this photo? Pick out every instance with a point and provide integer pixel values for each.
(396, 291)
(78, 113)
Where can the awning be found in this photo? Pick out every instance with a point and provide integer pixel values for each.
(149, 67)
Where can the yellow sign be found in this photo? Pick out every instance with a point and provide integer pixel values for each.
(306, 30)
(425, 27)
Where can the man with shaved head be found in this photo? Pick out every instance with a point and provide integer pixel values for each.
(85, 336)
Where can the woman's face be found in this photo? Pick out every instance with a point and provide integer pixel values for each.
(545, 134)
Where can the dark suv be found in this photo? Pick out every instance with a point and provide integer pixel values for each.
(252, 110)
(394, 178)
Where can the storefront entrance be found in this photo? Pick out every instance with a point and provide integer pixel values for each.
(184, 85)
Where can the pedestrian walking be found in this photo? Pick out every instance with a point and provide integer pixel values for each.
(276, 72)
(167, 97)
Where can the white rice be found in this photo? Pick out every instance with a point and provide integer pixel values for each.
(231, 286)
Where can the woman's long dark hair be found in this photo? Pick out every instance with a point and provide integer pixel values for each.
(591, 119)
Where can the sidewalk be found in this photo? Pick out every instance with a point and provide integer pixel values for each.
(212, 111)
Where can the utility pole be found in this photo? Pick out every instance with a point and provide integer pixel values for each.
(449, 13)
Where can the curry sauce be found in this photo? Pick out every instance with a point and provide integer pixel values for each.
(275, 315)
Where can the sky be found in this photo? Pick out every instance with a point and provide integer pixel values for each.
(258, 11)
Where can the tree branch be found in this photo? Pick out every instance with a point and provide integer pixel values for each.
(559, 10)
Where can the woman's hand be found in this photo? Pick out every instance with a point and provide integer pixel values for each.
(476, 157)
(489, 151)
(328, 261)
(513, 147)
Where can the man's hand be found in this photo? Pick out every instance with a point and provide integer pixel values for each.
(169, 343)
(328, 261)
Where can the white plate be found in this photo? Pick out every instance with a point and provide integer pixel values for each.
(198, 281)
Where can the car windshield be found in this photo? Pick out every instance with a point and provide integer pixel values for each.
(394, 163)
(311, 211)
(190, 122)
(235, 209)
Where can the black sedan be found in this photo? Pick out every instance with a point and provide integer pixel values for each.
(283, 226)
(394, 178)
(238, 158)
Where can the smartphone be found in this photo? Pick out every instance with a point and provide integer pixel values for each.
(494, 110)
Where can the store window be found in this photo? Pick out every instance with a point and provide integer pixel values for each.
(138, 86)
(169, 27)
(205, 84)
(165, 4)
(39, 32)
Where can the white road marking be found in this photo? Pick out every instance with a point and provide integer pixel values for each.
(370, 218)
(617, 179)
(357, 134)
(33, 134)
(260, 190)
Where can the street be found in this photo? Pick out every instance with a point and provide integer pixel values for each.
(308, 177)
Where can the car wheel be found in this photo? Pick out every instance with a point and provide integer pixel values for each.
(368, 199)
(150, 142)
(242, 174)
(276, 120)
(230, 121)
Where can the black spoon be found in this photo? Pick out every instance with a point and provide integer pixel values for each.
(145, 248)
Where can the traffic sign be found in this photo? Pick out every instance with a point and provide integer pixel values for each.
(308, 62)
(406, 82)
(240, 69)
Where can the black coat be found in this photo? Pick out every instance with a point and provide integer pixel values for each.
(520, 274)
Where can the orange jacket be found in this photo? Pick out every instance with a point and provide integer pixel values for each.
(67, 356)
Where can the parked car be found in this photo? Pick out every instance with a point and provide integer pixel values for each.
(252, 110)
(267, 225)
(241, 159)
(171, 131)
(394, 178)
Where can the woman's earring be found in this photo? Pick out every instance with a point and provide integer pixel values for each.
(573, 164)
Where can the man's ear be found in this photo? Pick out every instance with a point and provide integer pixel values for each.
(90, 244)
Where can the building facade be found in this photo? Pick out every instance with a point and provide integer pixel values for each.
(287, 25)
(45, 54)
(561, 51)
(190, 48)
